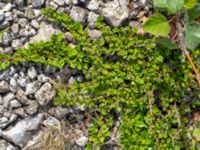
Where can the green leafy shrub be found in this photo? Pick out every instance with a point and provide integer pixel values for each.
(125, 74)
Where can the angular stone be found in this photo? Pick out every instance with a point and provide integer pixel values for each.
(19, 2)
(29, 13)
(44, 33)
(12, 70)
(78, 14)
(32, 107)
(79, 78)
(32, 87)
(6, 38)
(14, 104)
(45, 94)
(4, 87)
(68, 2)
(24, 39)
(4, 145)
(7, 114)
(4, 25)
(1, 109)
(22, 22)
(32, 32)
(16, 76)
(95, 34)
(37, 3)
(93, 5)
(1, 100)
(59, 112)
(68, 36)
(8, 16)
(1, 15)
(7, 7)
(22, 72)
(92, 18)
(82, 141)
(8, 50)
(7, 98)
(19, 111)
(22, 81)
(60, 2)
(15, 28)
(24, 32)
(40, 19)
(32, 73)
(115, 12)
(27, 26)
(23, 131)
(35, 24)
(4, 75)
(37, 13)
(142, 3)
(3, 120)
(42, 78)
(76, 147)
(13, 85)
(16, 44)
(13, 118)
(53, 4)
(49, 69)
(21, 96)
(71, 80)
(48, 122)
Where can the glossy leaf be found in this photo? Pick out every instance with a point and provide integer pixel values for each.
(194, 12)
(190, 3)
(167, 43)
(157, 25)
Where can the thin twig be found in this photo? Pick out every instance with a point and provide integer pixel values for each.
(177, 114)
(184, 49)
(151, 111)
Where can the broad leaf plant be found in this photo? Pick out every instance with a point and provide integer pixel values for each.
(176, 25)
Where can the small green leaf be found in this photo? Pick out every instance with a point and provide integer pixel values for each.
(167, 43)
(190, 3)
(140, 124)
(159, 58)
(192, 35)
(157, 25)
(196, 133)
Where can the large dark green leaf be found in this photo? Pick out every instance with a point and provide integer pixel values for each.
(159, 3)
(192, 35)
(157, 25)
(172, 6)
(194, 12)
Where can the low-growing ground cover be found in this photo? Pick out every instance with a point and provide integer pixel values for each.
(128, 79)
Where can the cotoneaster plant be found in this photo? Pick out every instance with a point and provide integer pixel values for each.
(176, 23)
(128, 80)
